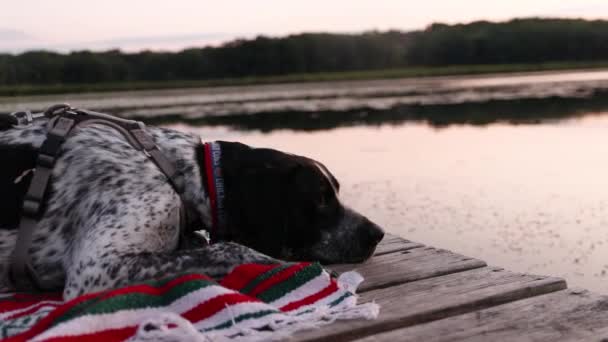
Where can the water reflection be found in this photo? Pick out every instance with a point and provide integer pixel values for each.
(528, 111)
(440, 101)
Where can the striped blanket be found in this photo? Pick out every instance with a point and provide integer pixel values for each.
(254, 302)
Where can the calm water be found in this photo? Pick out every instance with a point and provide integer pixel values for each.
(512, 170)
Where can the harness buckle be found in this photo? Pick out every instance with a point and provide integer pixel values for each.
(45, 160)
(31, 208)
(57, 109)
(23, 117)
(203, 234)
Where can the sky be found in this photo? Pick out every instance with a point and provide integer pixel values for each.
(131, 25)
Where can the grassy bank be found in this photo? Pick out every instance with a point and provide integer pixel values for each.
(23, 90)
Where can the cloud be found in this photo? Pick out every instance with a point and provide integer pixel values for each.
(164, 42)
(589, 10)
(12, 41)
(161, 39)
(13, 35)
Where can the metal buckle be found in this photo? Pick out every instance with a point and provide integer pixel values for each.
(203, 234)
(26, 117)
(23, 117)
(31, 207)
(45, 160)
(57, 109)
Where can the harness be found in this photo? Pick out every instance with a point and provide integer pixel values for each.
(62, 121)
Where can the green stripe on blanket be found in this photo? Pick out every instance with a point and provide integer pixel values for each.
(263, 277)
(296, 280)
(134, 300)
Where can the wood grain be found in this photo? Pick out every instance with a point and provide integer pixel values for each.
(437, 298)
(561, 316)
(393, 243)
(409, 265)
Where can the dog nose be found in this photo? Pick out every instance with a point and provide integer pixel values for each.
(373, 232)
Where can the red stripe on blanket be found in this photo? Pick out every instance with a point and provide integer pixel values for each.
(215, 305)
(48, 320)
(36, 296)
(21, 300)
(245, 274)
(151, 290)
(277, 278)
(44, 323)
(331, 288)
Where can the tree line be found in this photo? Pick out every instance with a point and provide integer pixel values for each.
(533, 40)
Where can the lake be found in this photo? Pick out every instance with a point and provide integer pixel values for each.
(509, 169)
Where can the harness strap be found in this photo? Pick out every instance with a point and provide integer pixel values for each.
(162, 162)
(119, 127)
(136, 134)
(21, 272)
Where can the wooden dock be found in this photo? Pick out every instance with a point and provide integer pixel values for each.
(428, 294)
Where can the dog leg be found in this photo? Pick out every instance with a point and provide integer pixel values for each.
(216, 261)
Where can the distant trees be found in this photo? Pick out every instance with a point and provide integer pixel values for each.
(518, 41)
(303, 53)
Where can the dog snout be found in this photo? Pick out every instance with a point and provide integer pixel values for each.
(373, 233)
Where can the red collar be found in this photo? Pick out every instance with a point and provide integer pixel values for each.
(215, 188)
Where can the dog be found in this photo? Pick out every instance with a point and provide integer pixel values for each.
(110, 217)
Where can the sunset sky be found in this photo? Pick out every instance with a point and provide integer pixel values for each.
(65, 25)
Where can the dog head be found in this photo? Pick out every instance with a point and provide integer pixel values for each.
(287, 206)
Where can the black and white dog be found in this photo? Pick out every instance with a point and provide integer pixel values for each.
(111, 218)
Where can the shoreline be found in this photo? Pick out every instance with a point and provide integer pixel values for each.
(367, 75)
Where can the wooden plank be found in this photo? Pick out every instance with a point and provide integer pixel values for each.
(436, 298)
(409, 265)
(392, 243)
(562, 316)
(599, 335)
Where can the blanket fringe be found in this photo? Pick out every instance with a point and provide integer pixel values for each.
(170, 327)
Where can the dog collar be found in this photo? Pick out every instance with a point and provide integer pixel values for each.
(215, 187)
